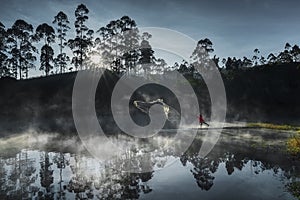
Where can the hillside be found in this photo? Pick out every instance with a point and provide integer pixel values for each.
(264, 93)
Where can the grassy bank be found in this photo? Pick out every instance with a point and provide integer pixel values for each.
(275, 126)
(293, 143)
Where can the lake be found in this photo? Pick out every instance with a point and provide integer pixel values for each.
(246, 163)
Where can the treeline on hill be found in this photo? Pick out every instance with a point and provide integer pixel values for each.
(263, 93)
(118, 46)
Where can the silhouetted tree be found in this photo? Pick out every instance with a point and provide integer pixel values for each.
(147, 58)
(284, 57)
(62, 27)
(216, 60)
(4, 70)
(175, 66)
(255, 58)
(287, 46)
(262, 60)
(46, 59)
(272, 59)
(186, 68)
(295, 52)
(224, 62)
(103, 46)
(160, 64)
(183, 68)
(200, 57)
(247, 62)
(20, 49)
(234, 63)
(130, 42)
(46, 33)
(117, 42)
(229, 64)
(237, 63)
(81, 43)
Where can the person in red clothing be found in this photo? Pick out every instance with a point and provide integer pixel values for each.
(201, 121)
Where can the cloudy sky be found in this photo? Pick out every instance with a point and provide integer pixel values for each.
(236, 27)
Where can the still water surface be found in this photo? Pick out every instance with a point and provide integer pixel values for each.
(46, 166)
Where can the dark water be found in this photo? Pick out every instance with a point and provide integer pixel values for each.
(245, 164)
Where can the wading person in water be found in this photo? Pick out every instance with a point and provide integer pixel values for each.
(201, 121)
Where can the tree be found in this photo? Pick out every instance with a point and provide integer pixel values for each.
(237, 63)
(147, 58)
(287, 46)
(118, 44)
(47, 54)
(262, 60)
(247, 62)
(81, 43)
(255, 58)
(285, 57)
(127, 23)
(62, 27)
(116, 47)
(200, 56)
(224, 62)
(4, 70)
(160, 65)
(46, 33)
(295, 52)
(113, 48)
(130, 43)
(272, 59)
(20, 49)
(183, 67)
(103, 45)
(228, 64)
(216, 61)
(175, 67)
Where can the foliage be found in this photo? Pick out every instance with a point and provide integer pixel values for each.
(273, 126)
(46, 33)
(294, 188)
(83, 40)
(62, 22)
(20, 48)
(120, 46)
(4, 70)
(293, 144)
(46, 59)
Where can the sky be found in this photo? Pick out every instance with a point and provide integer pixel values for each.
(236, 27)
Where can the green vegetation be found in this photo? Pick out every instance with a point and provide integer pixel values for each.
(294, 189)
(293, 143)
(275, 126)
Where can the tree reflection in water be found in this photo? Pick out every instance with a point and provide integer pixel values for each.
(47, 174)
